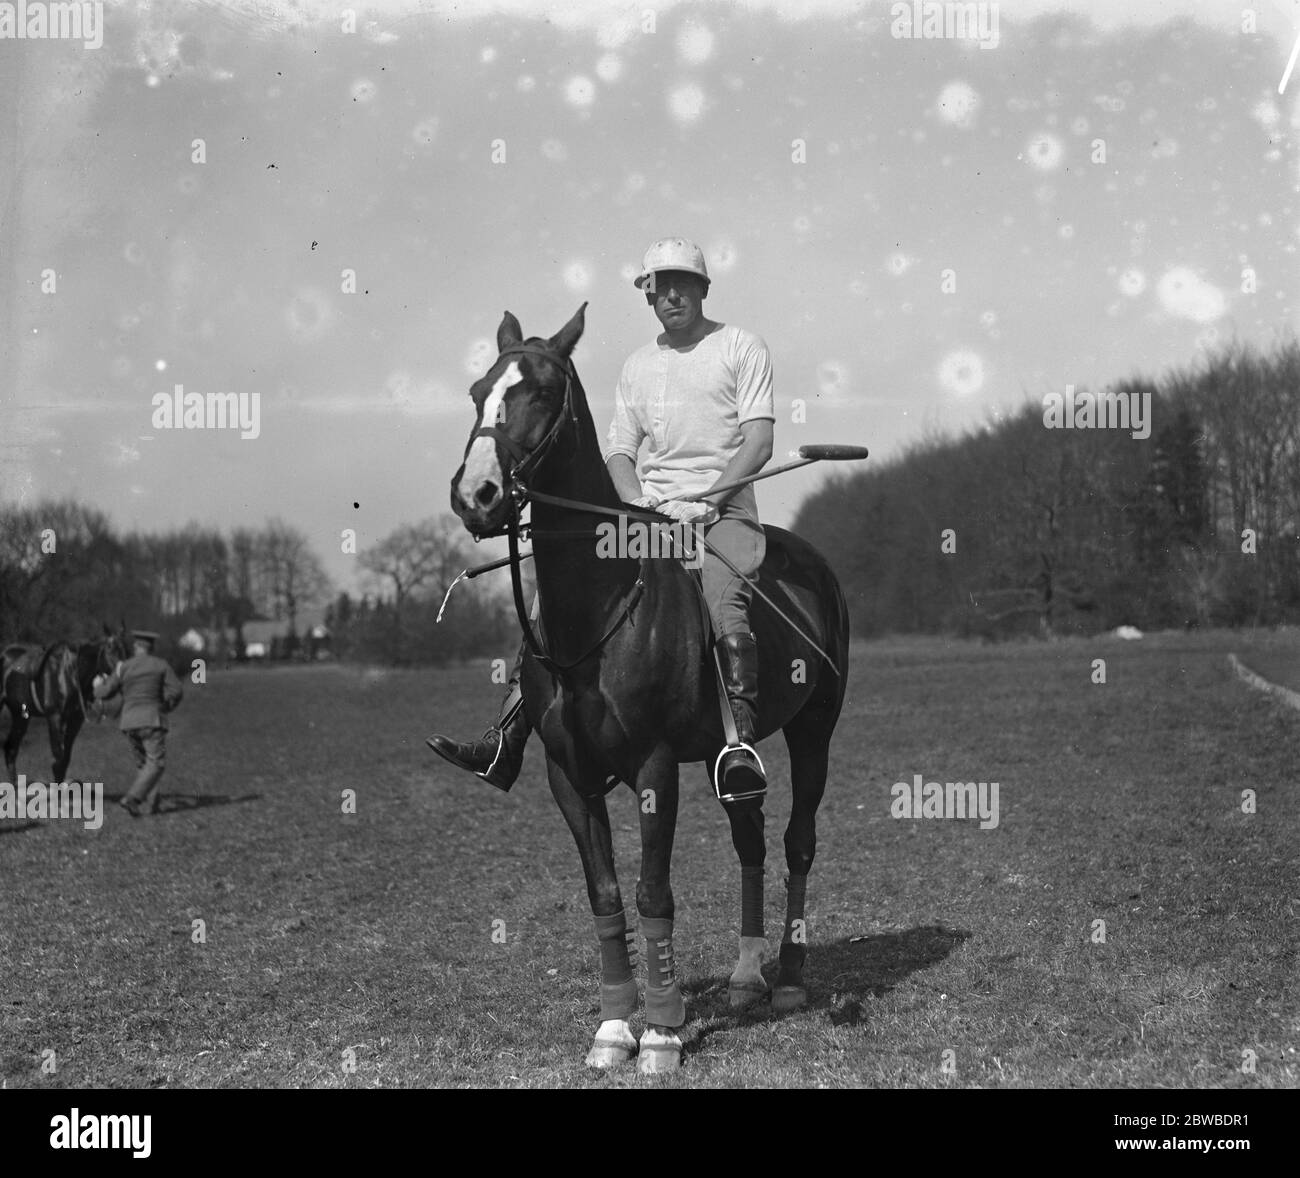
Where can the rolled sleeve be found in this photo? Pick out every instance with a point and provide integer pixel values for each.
(625, 433)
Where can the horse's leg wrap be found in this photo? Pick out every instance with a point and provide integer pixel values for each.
(751, 901)
(618, 992)
(747, 985)
(789, 993)
(664, 1005)
(794, 942)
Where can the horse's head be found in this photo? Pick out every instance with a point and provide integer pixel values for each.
(113, 649)
(520, 406)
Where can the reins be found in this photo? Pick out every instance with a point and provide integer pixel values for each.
(520, 494)
(579, 505)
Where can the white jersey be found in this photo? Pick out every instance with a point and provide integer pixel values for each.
(688, 405)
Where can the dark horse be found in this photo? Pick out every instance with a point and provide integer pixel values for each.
(55, 682)
(622, 687)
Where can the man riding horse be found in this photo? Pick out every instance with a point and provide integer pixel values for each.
(700, 395)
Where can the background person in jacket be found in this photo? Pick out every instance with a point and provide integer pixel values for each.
(149, 690)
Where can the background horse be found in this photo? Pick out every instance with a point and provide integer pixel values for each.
(55, 682)
(622, 685)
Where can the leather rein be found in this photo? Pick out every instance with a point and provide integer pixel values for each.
(520, 494)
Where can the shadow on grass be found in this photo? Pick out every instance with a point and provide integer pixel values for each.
(839, 977)
(181, 803)
(853, 968)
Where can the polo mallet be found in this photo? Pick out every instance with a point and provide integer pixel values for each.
(822, 452)
(807, 454)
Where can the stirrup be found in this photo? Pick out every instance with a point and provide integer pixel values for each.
(717, 781)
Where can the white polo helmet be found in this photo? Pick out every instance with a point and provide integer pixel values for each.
(672, 253)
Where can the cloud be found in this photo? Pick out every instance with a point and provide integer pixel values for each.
(686, 103)
(962, 373)
(958, 104)
(1186, 295)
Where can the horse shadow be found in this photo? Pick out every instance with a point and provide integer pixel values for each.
(840, 976)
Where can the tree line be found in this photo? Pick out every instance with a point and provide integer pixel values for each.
(64, 569)
(1019, 527)
(1014, 526)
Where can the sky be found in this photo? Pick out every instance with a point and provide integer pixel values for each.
(927, 232)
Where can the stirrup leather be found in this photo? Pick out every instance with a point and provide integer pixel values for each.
(500, 730)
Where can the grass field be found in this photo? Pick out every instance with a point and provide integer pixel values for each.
(368, 937)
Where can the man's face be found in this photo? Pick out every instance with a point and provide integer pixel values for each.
(677, 298)
(139, 647)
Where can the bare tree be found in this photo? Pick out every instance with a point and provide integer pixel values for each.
(292, 576)
(414, 556)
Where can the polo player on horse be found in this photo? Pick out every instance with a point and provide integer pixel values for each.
(700, 397)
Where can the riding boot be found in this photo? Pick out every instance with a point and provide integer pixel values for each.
(739, 770)
(498, 755)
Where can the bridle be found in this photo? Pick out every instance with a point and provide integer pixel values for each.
(524, 466)
(110, 642)
(525, 463)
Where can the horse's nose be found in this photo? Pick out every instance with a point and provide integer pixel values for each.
(487, 495)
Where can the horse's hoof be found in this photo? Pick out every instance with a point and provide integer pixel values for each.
(788, 998)
(607, 1055)
(659, 1053)
(743, 994)
(613, 1046)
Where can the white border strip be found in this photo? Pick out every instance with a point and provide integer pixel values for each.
(1285, 694)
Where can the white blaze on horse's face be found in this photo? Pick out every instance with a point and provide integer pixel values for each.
(481, 465)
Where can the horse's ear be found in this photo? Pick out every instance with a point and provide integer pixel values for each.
(509, 332)
(564, 340)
